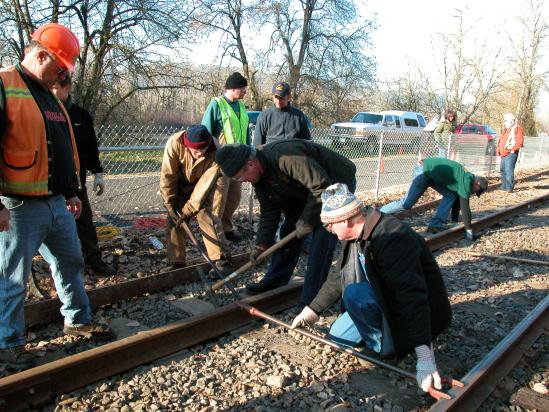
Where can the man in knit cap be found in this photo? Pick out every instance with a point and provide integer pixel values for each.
(227, 120)
(188, 179)
(394, 298)
(288, 177)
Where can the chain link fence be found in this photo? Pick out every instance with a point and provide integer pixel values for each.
(132, 155)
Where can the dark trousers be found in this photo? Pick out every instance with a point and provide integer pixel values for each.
(86, 230)
(284, 261)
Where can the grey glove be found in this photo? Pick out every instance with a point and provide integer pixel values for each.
(302, 229)
(426, 368)
(306, 317)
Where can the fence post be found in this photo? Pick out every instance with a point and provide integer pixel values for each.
(540, 154)
(379, 160)
(448, 150)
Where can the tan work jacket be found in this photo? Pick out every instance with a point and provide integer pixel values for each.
(184, 179)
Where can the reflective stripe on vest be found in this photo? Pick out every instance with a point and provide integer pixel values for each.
(235, 129)
(24, 157)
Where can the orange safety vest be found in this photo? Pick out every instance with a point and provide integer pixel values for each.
(25, 147)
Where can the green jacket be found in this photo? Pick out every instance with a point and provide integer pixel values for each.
(296, 172)
(443, 132)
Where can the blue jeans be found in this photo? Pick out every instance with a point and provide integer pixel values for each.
(366, 316)
(43, 225)
(419, 185)
(507, 171)
(284, 261)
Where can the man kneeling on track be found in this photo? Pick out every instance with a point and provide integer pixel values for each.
(452, 181)
(188, 178)
(393, 294)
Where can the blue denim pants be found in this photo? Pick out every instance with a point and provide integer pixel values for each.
(43, 225)
(284, 261)
(419, 185)
(362, 323)
(507, 171)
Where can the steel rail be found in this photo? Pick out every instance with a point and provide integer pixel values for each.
(40, 384)
(480, 381)
(46, 311)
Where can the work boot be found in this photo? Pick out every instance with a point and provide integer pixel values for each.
(92, 331)
(224, 266)
(102, 269)
(17, 357)
(260, 287)
(233, 236)
(435, 229)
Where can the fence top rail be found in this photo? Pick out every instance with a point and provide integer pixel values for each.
(129, 148)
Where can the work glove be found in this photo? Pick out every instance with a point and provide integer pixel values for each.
(173, 214)
(302, 229)
(306, 317)
(254, 254)
(186, 214)
(98, 184)
(469, 234)
(426, 368)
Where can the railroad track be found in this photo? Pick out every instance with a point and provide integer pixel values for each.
(46, 311)
(40, 384)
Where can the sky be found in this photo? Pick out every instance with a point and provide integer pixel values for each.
(405, 30)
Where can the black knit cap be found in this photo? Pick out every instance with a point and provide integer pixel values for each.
(232, 157)
(235, 81)
(197, 136)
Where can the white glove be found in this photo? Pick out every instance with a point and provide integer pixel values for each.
(98, 184)
(426, 368)
(306, 317)
(469, 234)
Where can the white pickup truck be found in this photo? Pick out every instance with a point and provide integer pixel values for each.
(399, 127)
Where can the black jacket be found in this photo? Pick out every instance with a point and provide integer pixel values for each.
(406, 279)
(277, 124)
(86, 140)
(296, 172)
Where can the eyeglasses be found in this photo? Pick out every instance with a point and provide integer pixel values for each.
(61, 70)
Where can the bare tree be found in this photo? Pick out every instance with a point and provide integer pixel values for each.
(528, 50)
(123, 44)
(322, 41)
(230, 18)
(469, 69)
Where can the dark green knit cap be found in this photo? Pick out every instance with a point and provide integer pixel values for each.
(232, 157)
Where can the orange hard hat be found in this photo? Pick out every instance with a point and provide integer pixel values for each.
(60, 41)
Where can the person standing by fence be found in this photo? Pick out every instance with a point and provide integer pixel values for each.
(88, 153)
(39, 177)
(444, 131)
(227, 120)
(509, 144)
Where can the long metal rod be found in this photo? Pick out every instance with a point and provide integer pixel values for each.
(344, 349)
(248, 265)
(483, 378)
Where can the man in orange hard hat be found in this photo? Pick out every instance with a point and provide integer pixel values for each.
(39, 170)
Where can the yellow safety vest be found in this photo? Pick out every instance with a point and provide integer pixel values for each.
(235, 129)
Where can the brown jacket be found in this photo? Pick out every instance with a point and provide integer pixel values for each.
(184, 179)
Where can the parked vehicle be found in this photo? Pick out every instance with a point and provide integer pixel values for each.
(402, 128)
(471, 133)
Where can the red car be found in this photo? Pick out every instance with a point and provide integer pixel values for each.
(470, 132)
